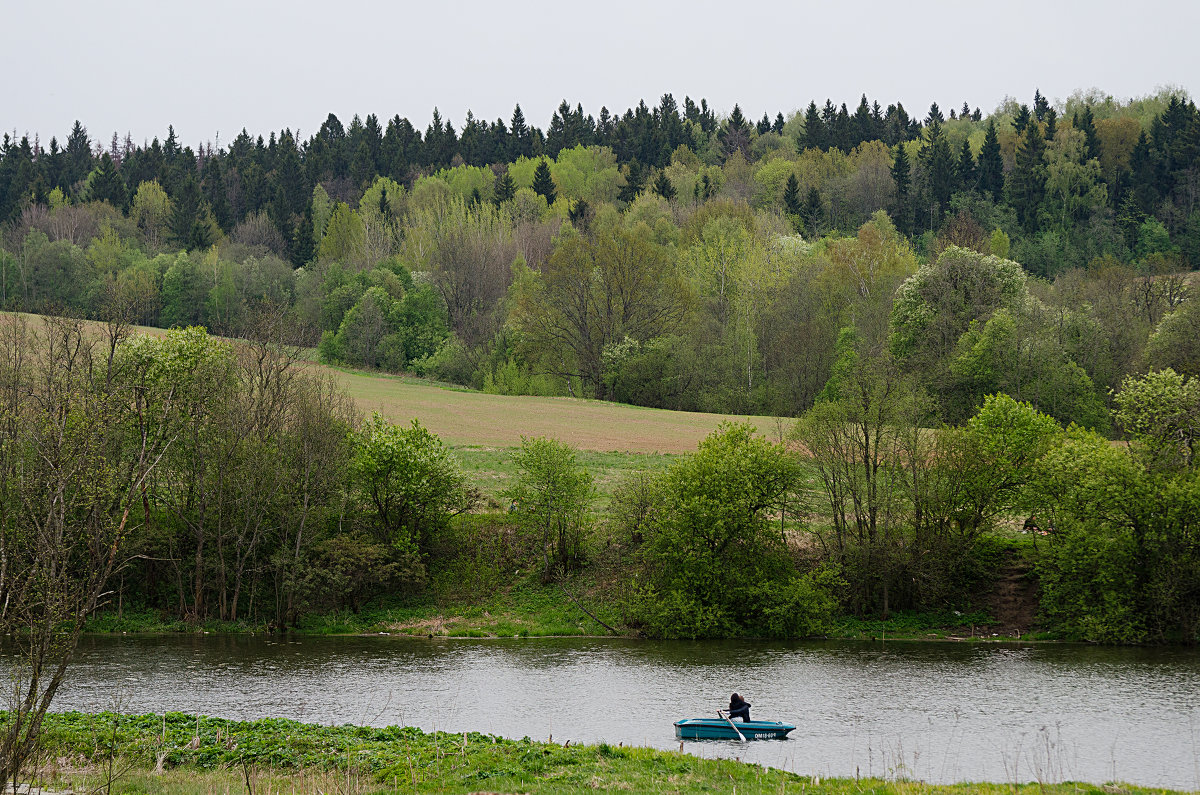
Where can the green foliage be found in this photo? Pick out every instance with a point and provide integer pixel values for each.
(203, 754)
(1175, 344)
(1008, 354)
(1161, 412)
(716, 564)
(409, 483)
(1123, 564)
(344, 235)
(550, 500)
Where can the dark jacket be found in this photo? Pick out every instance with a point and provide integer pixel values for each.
(739, 708)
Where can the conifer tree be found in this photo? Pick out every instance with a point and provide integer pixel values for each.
(304, 243)
(1143, 176)
(991, 163)
(633, 182)
(503, 189)
(1040, 105)
(663, 186)
(107, 184)
(813, 212)
(862, 128)
(777, 127)
(1051, 124)
(791, 196)
(1021, 119)
(212, 187)
(840, 136)
(901, 175)
(1027, 183)
(735, 135)
(940, 166)
(78, 155)
(519, 135)
(543, 183)
(1091, 140)
(578, 214)
(966, 167)
(814, 128)
(186, 210)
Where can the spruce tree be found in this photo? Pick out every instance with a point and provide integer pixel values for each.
(186, 210)
(735, 135)
(901, 175)
(777, 127)
(519, 135)
(107, 184)
(991, 163)
(1091, 140)
(814, 128)
(1040, 105)
(633, 181)
(212, 187)
(504, 189)
(663, 186)
(1051, 124)
(940, 166)
(1021, 119)
(1027, 183)
(578, 214)
(813, 212)
(791, 196)
(1144, 175)
(303, 241)
(862, 127)
(543, 183)
(966, 167)
(78, 155)
(840, 136)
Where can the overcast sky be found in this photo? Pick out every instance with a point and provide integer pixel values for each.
(215, 67)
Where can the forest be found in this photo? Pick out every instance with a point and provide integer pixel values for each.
(961, 310)
(663, 257)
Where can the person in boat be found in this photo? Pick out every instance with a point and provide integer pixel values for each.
(739, 708)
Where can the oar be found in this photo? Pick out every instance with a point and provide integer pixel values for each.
(731, 725)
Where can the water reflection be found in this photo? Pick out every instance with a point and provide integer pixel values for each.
(939, 712)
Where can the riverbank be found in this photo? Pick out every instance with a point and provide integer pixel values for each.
(184, 754)
(546, 611)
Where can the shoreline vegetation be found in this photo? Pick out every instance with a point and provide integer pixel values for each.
(181, 754)
(534, 613)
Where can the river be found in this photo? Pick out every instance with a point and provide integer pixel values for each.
(939, 712)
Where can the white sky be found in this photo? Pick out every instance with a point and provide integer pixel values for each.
(219, 65)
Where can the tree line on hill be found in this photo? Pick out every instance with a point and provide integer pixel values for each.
(664, 258)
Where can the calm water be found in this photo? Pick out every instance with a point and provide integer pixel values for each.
(938, 712)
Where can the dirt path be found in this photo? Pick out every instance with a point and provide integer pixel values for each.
(1014, 598)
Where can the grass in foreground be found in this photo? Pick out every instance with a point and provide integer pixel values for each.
(185, 754)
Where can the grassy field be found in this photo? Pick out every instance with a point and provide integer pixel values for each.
(468, 418)
(465, 418)
(189, 755)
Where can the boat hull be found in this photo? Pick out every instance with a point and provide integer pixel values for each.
(718, 729)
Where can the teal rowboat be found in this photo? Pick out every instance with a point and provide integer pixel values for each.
(721, 729)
